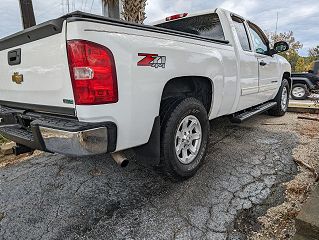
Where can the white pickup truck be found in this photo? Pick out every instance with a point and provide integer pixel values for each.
(85, 85)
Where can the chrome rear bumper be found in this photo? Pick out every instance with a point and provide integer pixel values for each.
(57, 134)
(81, 143)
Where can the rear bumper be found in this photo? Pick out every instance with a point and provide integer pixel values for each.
(57, 134)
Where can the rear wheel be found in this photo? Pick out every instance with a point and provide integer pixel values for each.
(184, 137)
(282, 100)
(299, 91)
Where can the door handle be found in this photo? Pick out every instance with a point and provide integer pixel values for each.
(262, 63)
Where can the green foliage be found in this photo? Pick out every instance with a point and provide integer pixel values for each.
(300, 65)
(2, 140)
(314, 53)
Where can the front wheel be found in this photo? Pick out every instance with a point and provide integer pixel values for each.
(184, 137)
(282, 100)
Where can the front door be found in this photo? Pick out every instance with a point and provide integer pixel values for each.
(248, 74)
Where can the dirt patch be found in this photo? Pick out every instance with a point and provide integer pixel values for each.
(247, 220)
(12, 159)
(279, 221)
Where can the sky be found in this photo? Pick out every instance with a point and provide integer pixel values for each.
(299, 16)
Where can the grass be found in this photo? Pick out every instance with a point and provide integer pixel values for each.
(2, 140)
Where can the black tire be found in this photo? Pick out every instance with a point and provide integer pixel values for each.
(279, 110)
(302, 97)
(173, 112)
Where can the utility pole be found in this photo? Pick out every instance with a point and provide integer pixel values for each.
(27, 13)
(277, 23)
(68, 4)
(112, 8)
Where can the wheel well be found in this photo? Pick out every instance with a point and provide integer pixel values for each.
(300, 82)
(193, 86)
(287, 76)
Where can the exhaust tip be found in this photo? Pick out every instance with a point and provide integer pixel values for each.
(125, 163)
(120, 159)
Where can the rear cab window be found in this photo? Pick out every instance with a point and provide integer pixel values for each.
(208, 26)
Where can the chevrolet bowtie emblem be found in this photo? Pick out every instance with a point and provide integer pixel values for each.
(17, 78)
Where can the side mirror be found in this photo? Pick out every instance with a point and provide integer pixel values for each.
(280, 47)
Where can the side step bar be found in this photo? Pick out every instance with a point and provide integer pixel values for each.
(239, 118)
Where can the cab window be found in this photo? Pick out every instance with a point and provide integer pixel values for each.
(259, 39)
(208, 26)
(242, 33)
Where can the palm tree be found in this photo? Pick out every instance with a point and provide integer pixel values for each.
(133, 10)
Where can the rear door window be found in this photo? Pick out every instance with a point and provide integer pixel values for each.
(208, 26)
(242, 34)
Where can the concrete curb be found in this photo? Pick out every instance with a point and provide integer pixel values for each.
(307, 221)
(303, 110)
(303, 107)
(6, 148)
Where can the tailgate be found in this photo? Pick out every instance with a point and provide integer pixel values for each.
(34, 69)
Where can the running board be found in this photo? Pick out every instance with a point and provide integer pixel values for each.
(239, 118)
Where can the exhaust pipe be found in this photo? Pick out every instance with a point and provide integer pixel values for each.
(120, 159)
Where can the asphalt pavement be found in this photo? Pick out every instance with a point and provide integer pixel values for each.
(55, 197)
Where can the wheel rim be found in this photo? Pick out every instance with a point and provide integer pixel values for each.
(298, 92)
(284, 99)
(188, 139)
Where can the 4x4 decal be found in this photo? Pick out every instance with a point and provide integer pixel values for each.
(152, 60)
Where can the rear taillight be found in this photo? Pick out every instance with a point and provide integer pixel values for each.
(177, 16)
(93, 73)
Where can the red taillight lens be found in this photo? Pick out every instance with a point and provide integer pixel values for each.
(177, 16)
(93, 73)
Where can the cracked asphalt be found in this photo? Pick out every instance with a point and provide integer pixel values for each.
(55, 197)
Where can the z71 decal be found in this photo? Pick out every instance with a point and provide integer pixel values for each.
(152, 60)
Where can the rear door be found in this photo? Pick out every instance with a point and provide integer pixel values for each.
(247, 60)
(34, 69)
(269, 71)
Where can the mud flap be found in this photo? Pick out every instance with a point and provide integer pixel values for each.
(149, 153)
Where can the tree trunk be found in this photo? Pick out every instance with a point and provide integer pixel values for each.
(111, 8)
(134, 10)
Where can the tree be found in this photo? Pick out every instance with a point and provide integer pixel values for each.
(133, 10)
(292, 54)
(314, 53)
(300, 65)
(111, 8)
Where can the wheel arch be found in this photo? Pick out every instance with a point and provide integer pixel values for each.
(199, 87)
(304, 81)
(287, 76)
